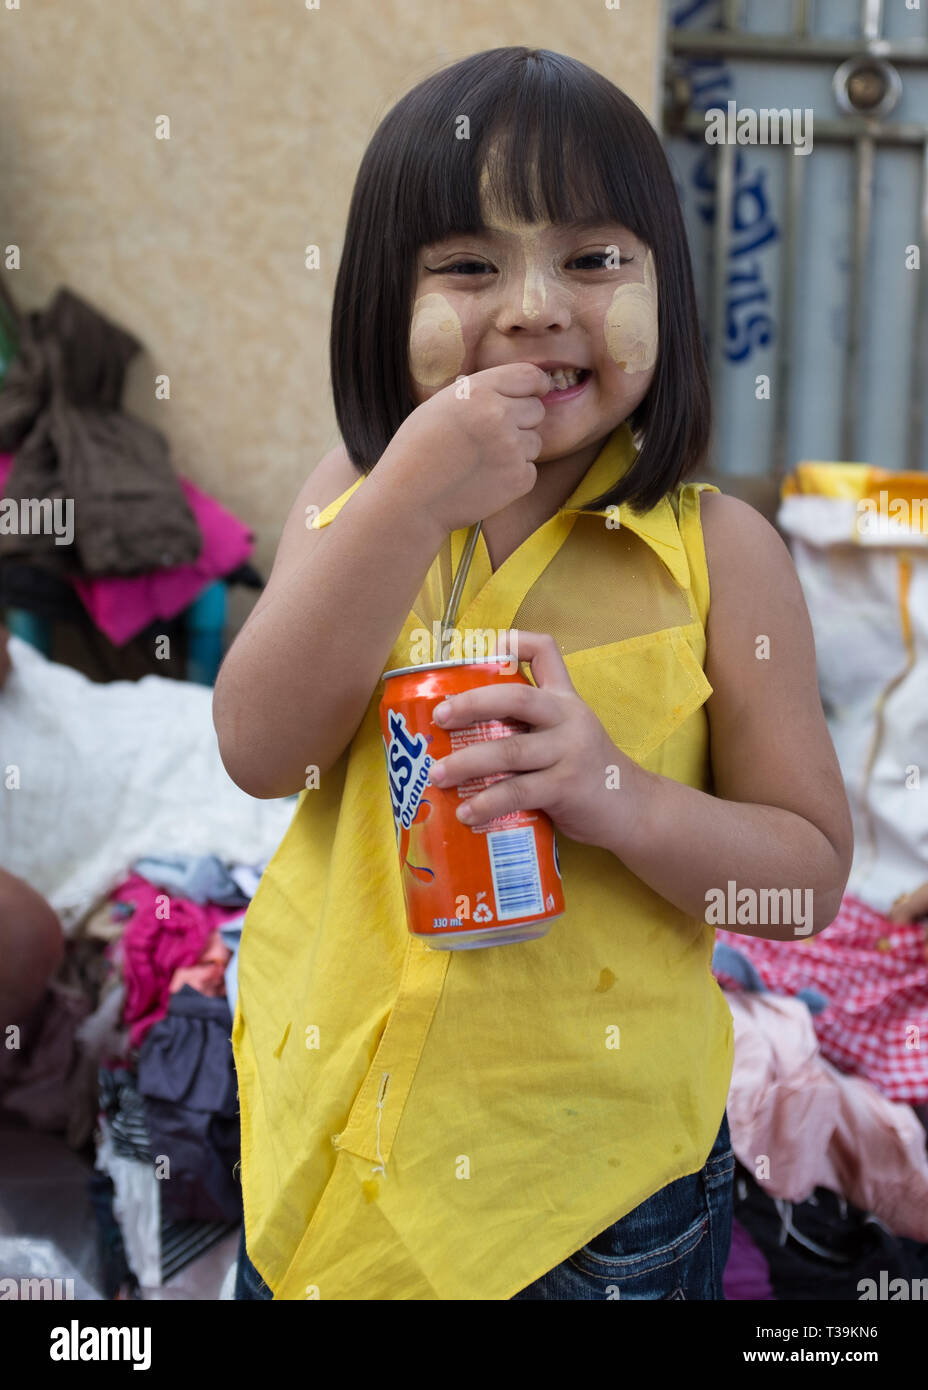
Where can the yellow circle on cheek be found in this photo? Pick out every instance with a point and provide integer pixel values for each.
(436, 341)
(630, 325)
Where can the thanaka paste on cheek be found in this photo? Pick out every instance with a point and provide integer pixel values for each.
(436, 341)
(631, 323)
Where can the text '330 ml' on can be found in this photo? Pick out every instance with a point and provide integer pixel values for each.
(465, 885)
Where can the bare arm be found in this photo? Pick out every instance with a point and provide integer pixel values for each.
(779, 819)
(31, 947)
(294, 686)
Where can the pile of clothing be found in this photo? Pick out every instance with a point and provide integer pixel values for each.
(828, 1106)
(124, 819)
(132, 1046)
(132, 542)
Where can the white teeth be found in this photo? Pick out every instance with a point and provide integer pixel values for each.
(564, 377)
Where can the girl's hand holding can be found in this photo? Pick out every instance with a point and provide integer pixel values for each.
(561, 766)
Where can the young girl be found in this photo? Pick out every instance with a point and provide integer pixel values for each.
(547, 1119)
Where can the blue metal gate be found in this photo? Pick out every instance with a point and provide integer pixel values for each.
(808, 262)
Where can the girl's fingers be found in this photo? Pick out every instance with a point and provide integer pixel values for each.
(514, 753)
(544, 656)
(498, 701)
(512, 794)
(505, 700)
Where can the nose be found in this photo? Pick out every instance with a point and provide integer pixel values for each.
(531, 304)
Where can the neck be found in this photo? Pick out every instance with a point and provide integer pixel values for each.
(557, 478)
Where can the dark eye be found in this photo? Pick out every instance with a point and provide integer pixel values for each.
(600, 256)
(467, 267)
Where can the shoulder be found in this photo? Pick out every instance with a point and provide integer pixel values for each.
(743, 549)
(756, 606)
(332, 476)
(755, 597)
(727, 517)
(335, 471)
(338, 458)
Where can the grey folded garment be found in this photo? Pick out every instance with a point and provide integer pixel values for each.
(186, 1077)
(201, 878)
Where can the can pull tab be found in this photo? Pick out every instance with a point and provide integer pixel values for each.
(381, 1097)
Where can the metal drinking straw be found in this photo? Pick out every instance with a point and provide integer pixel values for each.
(460, 578)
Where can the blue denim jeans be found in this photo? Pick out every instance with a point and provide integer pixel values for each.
(673, 1246)
(248, 1282)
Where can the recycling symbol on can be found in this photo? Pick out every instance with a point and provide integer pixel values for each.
(482, 913)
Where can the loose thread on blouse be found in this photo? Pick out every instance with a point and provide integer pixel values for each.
(381, 1095)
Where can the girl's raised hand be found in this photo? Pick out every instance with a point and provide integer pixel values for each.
(468, 451)
(562, 766)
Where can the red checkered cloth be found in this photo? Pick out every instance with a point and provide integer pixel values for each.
(874, 974)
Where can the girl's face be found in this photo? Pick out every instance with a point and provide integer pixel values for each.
(581, 297)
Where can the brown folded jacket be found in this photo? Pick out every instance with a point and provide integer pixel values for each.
(60, 416)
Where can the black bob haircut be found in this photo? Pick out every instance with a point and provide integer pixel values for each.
(597, 157)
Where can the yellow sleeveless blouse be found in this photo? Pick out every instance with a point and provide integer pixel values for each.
(425, 1124)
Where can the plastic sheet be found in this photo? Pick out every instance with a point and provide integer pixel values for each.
(33, 1269)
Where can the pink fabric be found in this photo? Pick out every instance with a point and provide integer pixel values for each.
(155, 947)
(208, 976)
(122, 605)
(817, 1126)
(874, 973)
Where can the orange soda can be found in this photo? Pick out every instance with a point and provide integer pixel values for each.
(466, 886)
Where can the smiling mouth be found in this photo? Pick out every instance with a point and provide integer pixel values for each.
(565, 377)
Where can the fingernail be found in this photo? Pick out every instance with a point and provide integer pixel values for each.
(465, 812)
(441, 712)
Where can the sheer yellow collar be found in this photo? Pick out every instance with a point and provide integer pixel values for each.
(657, 527)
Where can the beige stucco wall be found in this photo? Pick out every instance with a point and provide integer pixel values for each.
(195, 244)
